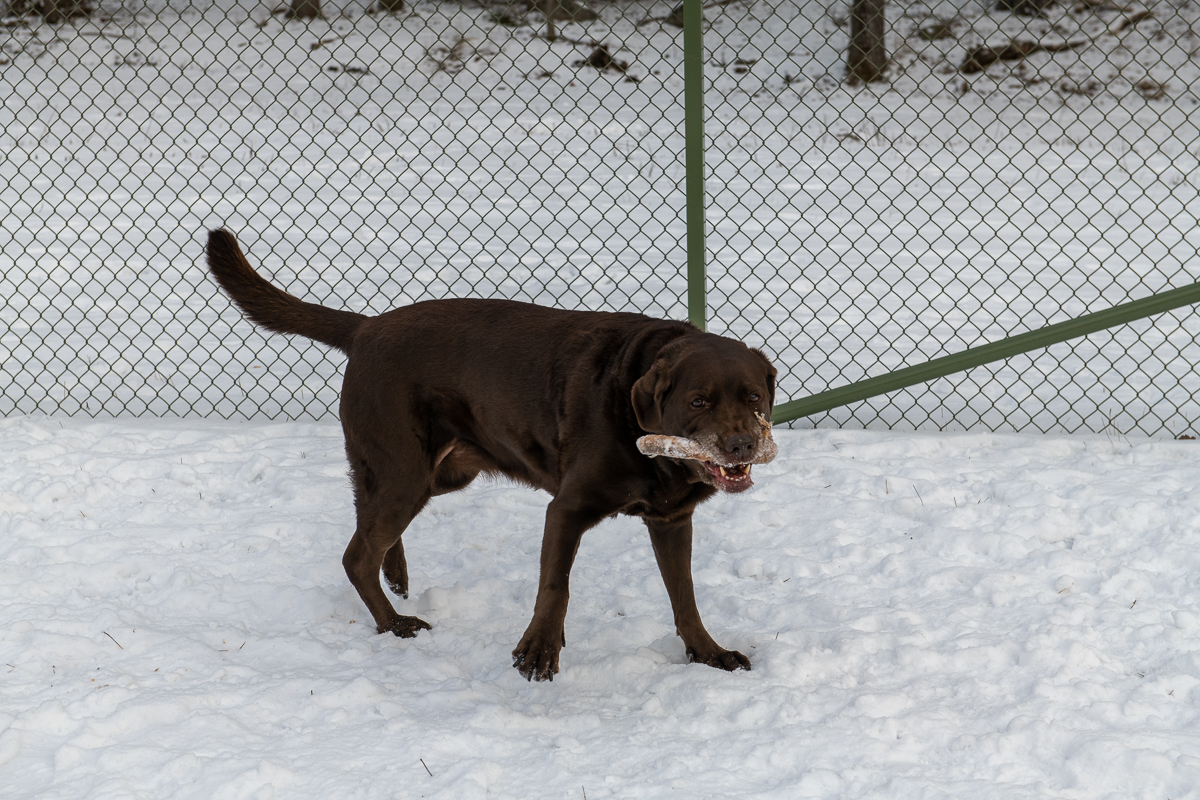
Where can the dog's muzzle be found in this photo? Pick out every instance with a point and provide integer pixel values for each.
(727, 475)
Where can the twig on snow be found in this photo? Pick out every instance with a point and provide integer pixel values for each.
(980, 58)
(103, 35)
(1127, 21)
(118, 644)
(317, 45)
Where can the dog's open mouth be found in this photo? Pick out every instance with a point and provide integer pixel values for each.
(726, 477)
(735, 478)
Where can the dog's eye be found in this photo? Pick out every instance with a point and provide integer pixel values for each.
(699, 402)
(754, 398)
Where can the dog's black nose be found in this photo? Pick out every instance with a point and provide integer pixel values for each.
(740, 446)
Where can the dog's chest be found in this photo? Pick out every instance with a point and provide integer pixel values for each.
(667, 501)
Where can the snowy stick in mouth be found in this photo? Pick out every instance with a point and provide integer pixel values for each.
(727, 475)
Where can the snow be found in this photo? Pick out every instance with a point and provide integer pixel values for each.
(928, 614)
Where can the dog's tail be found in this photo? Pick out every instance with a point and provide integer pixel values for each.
(270, 306)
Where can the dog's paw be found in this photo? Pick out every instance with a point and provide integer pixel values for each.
(406, 627)
(399, 589)
(728, 660)
(536, 657)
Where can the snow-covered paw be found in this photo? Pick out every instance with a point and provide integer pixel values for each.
(406, 627)
(398, 587)
(536, 657)
(728, 660)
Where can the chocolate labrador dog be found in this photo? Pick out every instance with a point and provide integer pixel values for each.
(442, 390)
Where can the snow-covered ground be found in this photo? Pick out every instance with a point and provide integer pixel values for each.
(929, 615)
(370, 160)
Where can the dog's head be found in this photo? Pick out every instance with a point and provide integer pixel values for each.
(716, 392)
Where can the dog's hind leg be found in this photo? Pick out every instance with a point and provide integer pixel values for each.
(384, 507)
(454, 466)
(376, 536)
(395, 569)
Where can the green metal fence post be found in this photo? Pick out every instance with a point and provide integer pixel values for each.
(693, 131)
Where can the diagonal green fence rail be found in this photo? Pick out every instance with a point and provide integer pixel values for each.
(986, 354)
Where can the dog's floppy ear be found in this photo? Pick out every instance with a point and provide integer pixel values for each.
(771, 372)
(648, 395)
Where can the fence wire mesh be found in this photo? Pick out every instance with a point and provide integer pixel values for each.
(1012, 167)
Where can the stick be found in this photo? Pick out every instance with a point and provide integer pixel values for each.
(979, 58)
(423, 764)
(1132, 19)
(118, 644)
(330, 40)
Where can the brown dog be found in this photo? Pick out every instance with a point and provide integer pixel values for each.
(439, 391)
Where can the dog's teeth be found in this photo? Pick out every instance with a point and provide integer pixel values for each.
(724, 474)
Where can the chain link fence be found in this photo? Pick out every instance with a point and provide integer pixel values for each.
(1011, 168)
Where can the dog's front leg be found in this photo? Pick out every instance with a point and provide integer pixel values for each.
(672, 542)
(536, 655)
